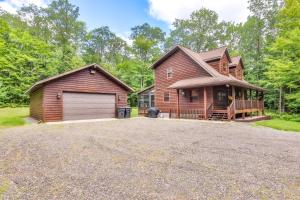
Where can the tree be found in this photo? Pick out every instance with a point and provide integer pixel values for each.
(104, 47)
(251, 48)
(68, 32)
(37, 20)
(202, 32)
(146, 47)
(151, 33)
(24, 59)
(284, 58)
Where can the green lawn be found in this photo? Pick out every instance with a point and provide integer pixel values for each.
(13, 116)
(281, 124)
(134, 112)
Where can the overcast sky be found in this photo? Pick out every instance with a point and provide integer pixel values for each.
(121, 15)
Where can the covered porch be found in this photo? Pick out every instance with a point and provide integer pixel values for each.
(218, 102)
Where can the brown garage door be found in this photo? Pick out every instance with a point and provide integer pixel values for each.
(88, 106)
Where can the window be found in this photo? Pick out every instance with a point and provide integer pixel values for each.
(144, 101)
(166, 96)
(169, 73)
(152, 100)
(194, 95)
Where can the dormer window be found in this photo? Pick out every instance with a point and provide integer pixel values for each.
(169, 72)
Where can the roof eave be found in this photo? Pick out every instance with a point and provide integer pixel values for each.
(145, 89)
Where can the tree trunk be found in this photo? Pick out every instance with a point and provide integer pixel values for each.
(280, 100)
(283, 102)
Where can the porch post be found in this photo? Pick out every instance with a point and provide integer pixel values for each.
(243, 100)
(205, 102)
(178, 112)
(233, 99)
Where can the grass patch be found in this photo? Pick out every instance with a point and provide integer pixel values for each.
(10, 117)
(134, 112)
(3, 187)
(281, 124)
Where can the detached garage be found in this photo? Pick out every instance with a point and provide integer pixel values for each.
(89, 92)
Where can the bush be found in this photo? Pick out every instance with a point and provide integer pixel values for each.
(284, 116)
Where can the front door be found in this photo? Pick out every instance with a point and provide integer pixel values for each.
(220, 97)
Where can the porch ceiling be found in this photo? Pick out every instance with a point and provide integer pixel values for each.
(213, 81)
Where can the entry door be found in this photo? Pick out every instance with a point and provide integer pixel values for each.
(220, 98)
(88, 106)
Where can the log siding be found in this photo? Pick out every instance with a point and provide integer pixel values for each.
(182, 68)
(36, 104)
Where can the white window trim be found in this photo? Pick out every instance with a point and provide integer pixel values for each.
(169, 71)
(169, 97)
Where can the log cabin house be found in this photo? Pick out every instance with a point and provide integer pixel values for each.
(206, 85)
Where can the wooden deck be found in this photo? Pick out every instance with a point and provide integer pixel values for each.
(230, 113)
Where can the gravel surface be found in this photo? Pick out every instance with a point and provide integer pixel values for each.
(149, 159)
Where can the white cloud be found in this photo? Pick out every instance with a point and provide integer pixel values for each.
(13, 5)
(126, 37)
(169, 10)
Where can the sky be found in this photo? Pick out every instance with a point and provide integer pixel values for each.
(122, 15)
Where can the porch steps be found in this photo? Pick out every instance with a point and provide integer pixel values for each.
(218, 116)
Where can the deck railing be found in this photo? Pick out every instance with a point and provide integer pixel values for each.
(187, 113)
(143, 111)
(248, 104)
(236, 106)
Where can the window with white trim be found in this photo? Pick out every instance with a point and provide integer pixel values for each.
(169, 72)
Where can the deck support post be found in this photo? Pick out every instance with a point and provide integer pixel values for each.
(205, 102)
(233, 99)
(178, 111)
(243, 98)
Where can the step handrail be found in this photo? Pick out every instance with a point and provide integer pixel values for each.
(230, 110)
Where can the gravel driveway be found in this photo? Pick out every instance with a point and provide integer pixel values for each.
(149, 159)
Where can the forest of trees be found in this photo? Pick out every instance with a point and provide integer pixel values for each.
(40, 42)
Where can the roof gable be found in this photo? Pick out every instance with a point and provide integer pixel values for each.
(93, 66)
(145, 89)
(192, 55)
(215, 54)
(235, 61)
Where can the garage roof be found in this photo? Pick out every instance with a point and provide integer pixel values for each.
(95, 66)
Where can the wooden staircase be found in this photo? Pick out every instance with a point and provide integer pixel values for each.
(217, 115)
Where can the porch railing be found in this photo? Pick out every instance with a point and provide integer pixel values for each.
(235, 107)
(187, 113)
(143, 111)
(248, 104)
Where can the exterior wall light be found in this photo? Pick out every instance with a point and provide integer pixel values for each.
(182, 93)
(58, 96)
(92, 71)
